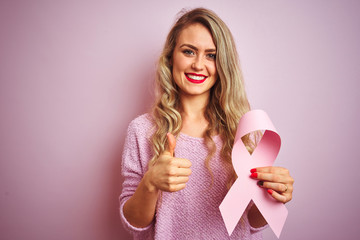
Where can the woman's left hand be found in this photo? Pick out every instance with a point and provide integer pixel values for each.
(277, 180)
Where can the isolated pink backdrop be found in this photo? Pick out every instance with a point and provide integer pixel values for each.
(74, 73)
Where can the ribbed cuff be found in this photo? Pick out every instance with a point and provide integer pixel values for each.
(128, 226)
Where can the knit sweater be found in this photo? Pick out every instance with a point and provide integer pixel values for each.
(191, 213)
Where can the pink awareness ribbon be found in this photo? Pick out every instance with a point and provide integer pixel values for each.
(244, 188)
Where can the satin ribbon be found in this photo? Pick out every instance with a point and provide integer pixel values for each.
(244, 188)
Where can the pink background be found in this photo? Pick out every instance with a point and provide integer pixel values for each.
(74, 73)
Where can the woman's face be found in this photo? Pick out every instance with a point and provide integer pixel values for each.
(193, 60)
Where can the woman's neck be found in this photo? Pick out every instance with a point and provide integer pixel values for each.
(194, 106)
(192, 110)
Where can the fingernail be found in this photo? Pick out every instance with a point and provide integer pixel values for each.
(270, 191)
(253, 170)
(260, 183)
(253, 175)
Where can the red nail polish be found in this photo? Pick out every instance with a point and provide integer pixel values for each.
(270, 191)
(253, 175)
(253, 170)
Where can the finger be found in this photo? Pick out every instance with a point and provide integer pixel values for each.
(279, 187)
(170, 145)
(174, 170)
(270, 169)
(175, 188)
(181, 162)
(183, 172)
(277, 196)
(269, 177)
(178, 180)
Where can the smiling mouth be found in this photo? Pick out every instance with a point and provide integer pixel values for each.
(195, 78)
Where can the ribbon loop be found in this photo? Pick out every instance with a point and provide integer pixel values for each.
(244, 189)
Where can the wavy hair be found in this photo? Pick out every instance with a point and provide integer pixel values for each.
(227, 103)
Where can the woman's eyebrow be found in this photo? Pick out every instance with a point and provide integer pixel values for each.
(195, 48)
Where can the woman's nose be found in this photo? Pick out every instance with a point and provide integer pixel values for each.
(198, 64)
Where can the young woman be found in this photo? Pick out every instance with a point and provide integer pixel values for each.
(177, 159)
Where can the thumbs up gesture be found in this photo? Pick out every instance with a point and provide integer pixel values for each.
(169, 173)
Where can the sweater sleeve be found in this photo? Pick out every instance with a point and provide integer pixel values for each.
(134, 158)
(252, 229)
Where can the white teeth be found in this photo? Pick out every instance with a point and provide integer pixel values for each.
(195, 77)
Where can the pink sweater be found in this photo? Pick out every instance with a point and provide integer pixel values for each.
(191, 213)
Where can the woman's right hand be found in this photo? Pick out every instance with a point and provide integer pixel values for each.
(168, 173)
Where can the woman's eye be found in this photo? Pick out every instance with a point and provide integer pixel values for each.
(212, 56)
(188, 52)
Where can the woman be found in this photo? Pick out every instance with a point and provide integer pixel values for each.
(174, 185)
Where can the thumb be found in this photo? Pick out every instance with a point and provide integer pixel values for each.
(171, 143)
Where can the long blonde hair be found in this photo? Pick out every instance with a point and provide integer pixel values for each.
(227, 103)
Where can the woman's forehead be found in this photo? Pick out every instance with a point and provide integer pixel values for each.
(197, 35)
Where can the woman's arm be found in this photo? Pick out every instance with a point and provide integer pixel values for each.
(139, 210)
(168, 174)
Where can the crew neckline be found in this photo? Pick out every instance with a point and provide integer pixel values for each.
(184, 135)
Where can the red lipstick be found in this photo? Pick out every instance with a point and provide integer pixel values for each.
(194, 80)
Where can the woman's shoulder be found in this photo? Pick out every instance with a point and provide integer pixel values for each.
(141, 125)
(142, 121)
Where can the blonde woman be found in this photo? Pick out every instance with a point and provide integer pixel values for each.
(176, 161)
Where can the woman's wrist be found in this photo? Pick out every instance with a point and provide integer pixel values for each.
(148, 184)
